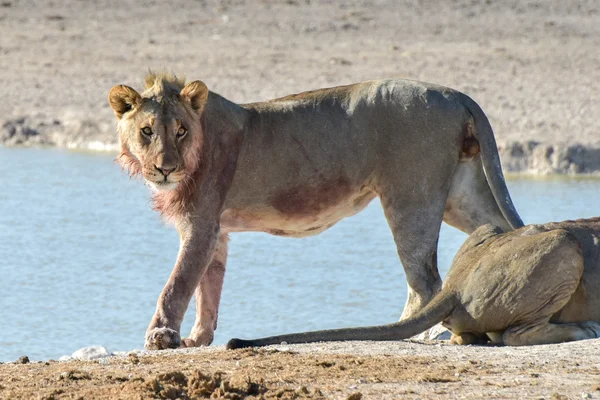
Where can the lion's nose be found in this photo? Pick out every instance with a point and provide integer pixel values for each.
(165, 170)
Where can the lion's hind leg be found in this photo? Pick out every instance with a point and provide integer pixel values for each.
(545, 273)
(415, 226)
(547, 333)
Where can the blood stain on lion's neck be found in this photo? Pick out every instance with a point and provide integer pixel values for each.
(174, 204)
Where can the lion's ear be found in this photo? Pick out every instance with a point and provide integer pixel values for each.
(196, 93)
(122, 99)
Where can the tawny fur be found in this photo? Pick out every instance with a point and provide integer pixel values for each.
(535, 285)
(296, 165)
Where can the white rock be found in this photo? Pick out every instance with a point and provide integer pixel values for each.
(438, 332)
(90, 353)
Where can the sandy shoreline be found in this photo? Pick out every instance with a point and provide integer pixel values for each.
(532, 66)
(376, 370)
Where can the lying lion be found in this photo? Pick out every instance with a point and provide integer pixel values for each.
(535, 285)
(297, 165)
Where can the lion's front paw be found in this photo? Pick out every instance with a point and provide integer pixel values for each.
(162, 338)
(200, 337)
(204, 338)
(187, 342)
(467, 338)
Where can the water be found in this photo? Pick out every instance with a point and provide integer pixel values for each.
(83, 259)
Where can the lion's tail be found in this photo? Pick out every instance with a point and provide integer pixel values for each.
(491, 162)
(439, 308)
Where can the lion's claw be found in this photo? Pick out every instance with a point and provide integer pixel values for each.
(162, 338)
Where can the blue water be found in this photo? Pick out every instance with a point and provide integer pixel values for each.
(83, 259)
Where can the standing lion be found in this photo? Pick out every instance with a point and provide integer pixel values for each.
(297, 165)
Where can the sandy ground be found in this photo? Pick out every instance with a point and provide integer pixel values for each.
(532, 65)
(378, 370)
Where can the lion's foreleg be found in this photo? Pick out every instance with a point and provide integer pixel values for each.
(208, 296)
(197, 247)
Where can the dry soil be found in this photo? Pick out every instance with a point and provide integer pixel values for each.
(377, 370)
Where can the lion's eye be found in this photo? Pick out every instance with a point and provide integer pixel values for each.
(181, 132)
(147, 131)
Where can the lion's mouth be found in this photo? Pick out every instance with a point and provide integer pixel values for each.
(160, 182)
(162, 185)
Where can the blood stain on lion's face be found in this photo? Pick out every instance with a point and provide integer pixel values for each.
(160, 130)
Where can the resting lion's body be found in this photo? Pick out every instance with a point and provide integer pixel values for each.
(538, 284)
(297, 165)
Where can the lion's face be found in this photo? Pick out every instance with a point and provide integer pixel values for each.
(159, 136)
(160, 130)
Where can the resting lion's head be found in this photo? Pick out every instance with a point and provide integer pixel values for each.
(160, 129)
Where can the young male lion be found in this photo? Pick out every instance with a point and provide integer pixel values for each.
(295, 166)
(534, 285)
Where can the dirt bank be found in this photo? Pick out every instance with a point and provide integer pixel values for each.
(410, 370)
(532, 65)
